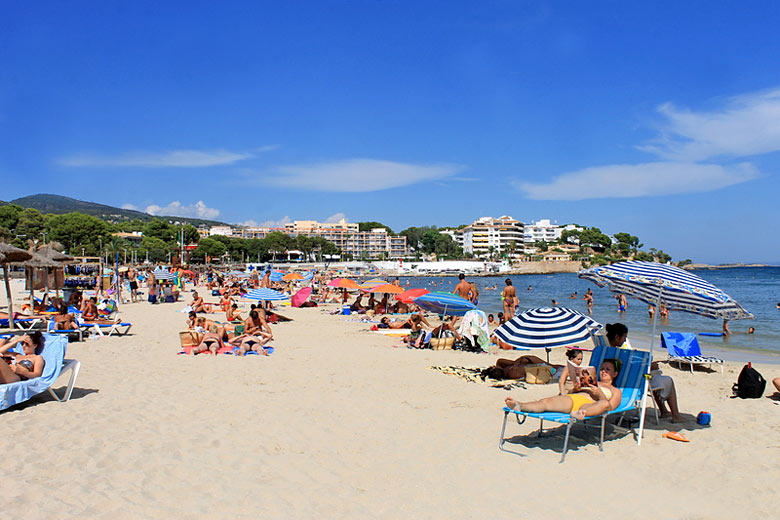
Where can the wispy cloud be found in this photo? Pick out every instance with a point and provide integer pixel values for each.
(170, 159)
(355, 175)
(267, 223)
(177, 209)
(638, 180)
(743, 126)
(336, 217)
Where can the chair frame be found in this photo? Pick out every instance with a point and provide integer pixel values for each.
(634, 403)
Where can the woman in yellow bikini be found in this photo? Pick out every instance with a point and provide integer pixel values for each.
(582, 401)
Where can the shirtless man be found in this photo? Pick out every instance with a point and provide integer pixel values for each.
(64, 320)
(255, 325)
(132, 277)
(198, 305)
(463, 288)
(510, 299)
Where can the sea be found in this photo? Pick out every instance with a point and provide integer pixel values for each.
(757, 289)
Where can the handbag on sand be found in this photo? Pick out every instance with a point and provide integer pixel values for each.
(189, 338)
(538, 374)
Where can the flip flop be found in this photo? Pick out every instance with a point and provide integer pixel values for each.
(675, 436)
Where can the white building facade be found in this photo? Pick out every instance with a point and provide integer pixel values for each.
(488, 236)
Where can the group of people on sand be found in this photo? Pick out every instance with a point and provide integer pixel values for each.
(213, 336)
(583, 401)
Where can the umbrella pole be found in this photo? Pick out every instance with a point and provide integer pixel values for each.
(8, 295)
(647, 376)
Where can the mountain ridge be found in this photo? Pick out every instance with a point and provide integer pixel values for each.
(59, 204)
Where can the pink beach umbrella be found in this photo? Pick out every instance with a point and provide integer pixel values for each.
(300, 297)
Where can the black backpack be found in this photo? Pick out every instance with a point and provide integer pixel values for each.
(750, 384)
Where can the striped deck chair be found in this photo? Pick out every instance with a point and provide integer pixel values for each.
(684, 348)
(631, 381)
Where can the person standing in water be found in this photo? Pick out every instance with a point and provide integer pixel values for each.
(509, 295)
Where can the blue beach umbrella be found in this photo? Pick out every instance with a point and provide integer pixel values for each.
(547, 327)
(657, 284)
(444, 303)
(265, 294)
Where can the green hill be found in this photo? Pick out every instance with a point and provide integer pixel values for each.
(57, 204)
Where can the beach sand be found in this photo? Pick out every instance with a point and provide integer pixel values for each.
(341, 423)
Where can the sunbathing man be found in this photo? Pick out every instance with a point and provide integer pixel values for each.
(198, 305)
(255, 325)
(582, 401)
(515, 368)
(65, 320)
(232, 314)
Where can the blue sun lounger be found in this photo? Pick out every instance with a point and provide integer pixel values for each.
(683, 347)
(631, 381)
(56, 364)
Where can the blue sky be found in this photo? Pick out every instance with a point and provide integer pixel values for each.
(661, 119)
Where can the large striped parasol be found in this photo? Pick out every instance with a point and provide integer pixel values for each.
(444, 303)
(655, 283)
(265, 294)
(547, 327)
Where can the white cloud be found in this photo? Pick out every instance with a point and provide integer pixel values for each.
(745, 125)
(174, 158)
(175, 208)
(639, 180)
(336, 217)
(356, 175)
(131, 206)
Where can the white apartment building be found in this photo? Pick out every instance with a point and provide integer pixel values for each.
(544, 230)
(497, 235)
(344, 235)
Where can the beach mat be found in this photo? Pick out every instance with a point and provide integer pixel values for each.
(474, 375)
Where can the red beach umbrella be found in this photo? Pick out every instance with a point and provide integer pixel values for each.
(410, 294)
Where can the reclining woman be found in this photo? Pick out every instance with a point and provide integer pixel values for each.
(515, 368)
(22, 366)
(582, 401)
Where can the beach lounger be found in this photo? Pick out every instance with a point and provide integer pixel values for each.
(684, 348)
(50, 329)
(631, 381)
(107, 329)
(56, 365)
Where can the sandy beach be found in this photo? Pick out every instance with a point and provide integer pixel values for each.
(343, 423)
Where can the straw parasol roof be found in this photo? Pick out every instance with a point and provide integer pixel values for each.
(38, 260)
(13, 254)
(52, 254)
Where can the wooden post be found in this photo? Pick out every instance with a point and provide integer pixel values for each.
(8, 295)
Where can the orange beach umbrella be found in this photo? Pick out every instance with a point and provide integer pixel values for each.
(292, 277)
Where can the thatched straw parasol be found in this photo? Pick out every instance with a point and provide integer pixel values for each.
(52, 254)
(38, 261)
(9, 254)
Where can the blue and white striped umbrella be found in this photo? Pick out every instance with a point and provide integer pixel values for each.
(161, 275)
(239, 274)
(276, 276)
(547, 327)
(265, 294)
(666, 284)
(444, 303)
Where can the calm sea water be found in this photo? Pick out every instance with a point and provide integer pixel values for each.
(756, 288)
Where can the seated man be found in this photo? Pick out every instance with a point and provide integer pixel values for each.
(198, 305)
(64, 320)
(232, 314)
(664, 392)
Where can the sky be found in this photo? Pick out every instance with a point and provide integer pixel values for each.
(661, 119)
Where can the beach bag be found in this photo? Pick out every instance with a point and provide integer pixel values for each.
(445, 343)
(189, 338)
(750, 384)
(538, 374)
(152, 298)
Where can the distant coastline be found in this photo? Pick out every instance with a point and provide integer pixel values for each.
(691, 267)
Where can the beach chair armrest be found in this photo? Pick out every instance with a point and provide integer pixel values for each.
(73, 366)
